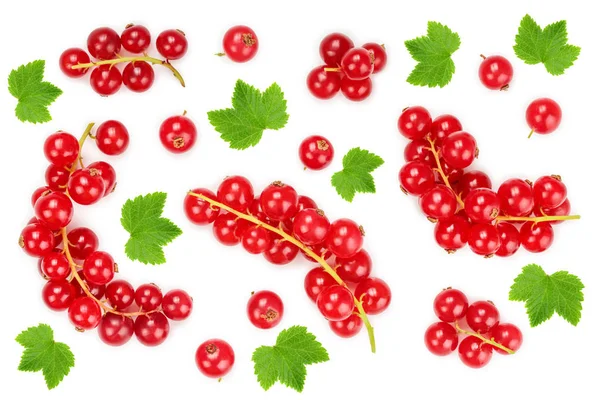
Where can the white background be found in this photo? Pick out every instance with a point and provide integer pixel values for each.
(556, 359)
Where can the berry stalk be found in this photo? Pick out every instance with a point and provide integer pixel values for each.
(440, 170)
(545, 218)
(303, 247)
(87, 133)
(483, 339)
(146, 58)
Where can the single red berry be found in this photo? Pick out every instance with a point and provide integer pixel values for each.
(438, 203)
(99, 268)
(256, 240)
(279, 201)
(484, 239)
(452, 174)
(549, 191)
(108, 175)
(112, 138)
(450, 305)
(199, 211)
(323, 84)
(482, 316)
(536, 237)
(177, 305)
(281, 252)
(224, 229)
(85, 313)
(119, 294)
(441, 338)
(104, 43)
(414, 122)
(264, 309)
(215, 358)
(106, 80)
(316, 152)
(57, 177)
(495, 72)
(37, 240)
(516, 198)
(305, 202)
(348, 327)
(356, 90)
(39, 192)
(543, 116)
(416, 178)
(240, 43)
(86, 186)
(96, 290)
(336, 303)
(357, 64)
(178, 134)
(354, 269)
(151, 329)
(333, 47)
(54, 210)
(474, 353)
(378, 55)
(138, 76)
(452, 234)
(73, 56)
(473, 180)
(311, 226)
(148, 297)
(375, 295)
(509, 239)
(560, 211)
(135, 38)
(345, 238)
(459, 149)
(443, 126)
(315, 281)
(61, 149)
(236, 192)
(55, 266)
(58, 295)
(482, 206)
(508, 335)
(419, 150)
(115, 330)
(172, 44)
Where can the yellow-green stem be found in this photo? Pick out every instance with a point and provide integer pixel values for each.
(544, 218)
(483, 339)
(441, 171)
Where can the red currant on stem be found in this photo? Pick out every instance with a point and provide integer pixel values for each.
(240, 44)
(104, 43)
(473, 180)
(86, 186)
(215, 358)
(138, 76)
(348, 327)
(441, 338)
(356, 90)
(311, 226)
(112, 138)
(440, 170)
(482, 316)
(356, 64)
(378, 55)
(57, 178)
(450, 305)
(414, 122)
(106, 80)
(135, 38)
(474, 353)
(452, 234)
(333, 47)
(178, 133)
(279, 201)
(237, 192)
(281, 252)
(375, 295)
(177, 305)
(543, 116)
(354, 269)
(335, 303)
(495, 72)
(443, 126)
(37, 240)
(151, 329)
(73, 56)
(115, 330)
(85, 313)
(323, 84)
(172, 44)
(148, 297)
(316, 280)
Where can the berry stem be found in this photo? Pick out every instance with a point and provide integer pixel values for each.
(545, 218)
(441, 171)
(530, 134)
(483, 339)
(87, 133)
(331, 69)
(146, 58)
(303, 247)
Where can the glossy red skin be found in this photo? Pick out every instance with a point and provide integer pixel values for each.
(57, 178)
(85, 313)
(536, 238)
(215, 358)
(236, 192)
(508, 335)
(509, 239)
(256, 240)
(281, 252)
(37, 240)
(197, 210)
(474, 353)
(151, 329)
(39, 192)
(379, 56)
(444, 125)
(58, 295)
(54, 210)
(265, 309)
(543, 116)
(495, 72)
(452, 234)
(375, 294)
(106, 80)
(55, 266)
(336, 303)
(240, 43)
(61, 149)
(178, 134)
(86, 186)
(224, 228)
(96, 290)
(562, 210)
(356, 90)
(416, 178)
(357, 64)
(441, 338)
(108, 175)
(549, 192)
(115, 330)
(104, 43)
(450, 305)
(112, 137)
(354, 269)
(311, 226)
(316, 152)
(279, 201)
(473, 180)
(148, 297)
(138, 76)
(305, 202)
(482, 205)
(414, 122)
(119, 294)
(482, 316)
(99, 268)
(323, 84)
(315, 281)
(320, 249)
(438, 203)
(345, 238)
(70, 57)
(172, 44)
(516, 198)
(453, 174)
(348, 327)
(177, 305)
(484, 239)
(418, 150)
(459, 149)
(333, 47)
(136, 39)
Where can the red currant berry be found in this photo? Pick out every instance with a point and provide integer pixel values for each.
(172, 44)
(441, 338)
(61, 149)
(58, 295)
(474, 353)
(354, 269)
(516, 198)
(107, 173)
(305, 202)
(323, 84)
(560, 211)
(135, 38)
(39, 192)
(215, 358)
(416, 178)
(119, 294)
(177, 305)
(37, 240)
(419, 150)
(86, 186)
(151, 329)
(536, 236)
(484, 239)
(199, 211)
(178, 134)
(375, 295)
(240, 43)
(450, 305)
(495, 72)
(482, 205)
(319, 249)
(148, 297)
(115, 330)
(279, 201)
(452, 174)
(54, 210)
(85, 313)
(508, 335)
(378, 55)
(443, 126)
(104, 43)
(73, 56)
(112, 138)
(138, 76)
(55, 266)
(96, 290)
(224, 229)
(316, 281)
(439, 203)
(311, 226)
(549, 192)
(414, 122)
(473, 180)
(345, 238)
(336, 303)
(99, 268)
(357, 64)
(316, 152)
(459, 149)
(265, 309)
(236, 192)
(281, 252)
(509, 239)
(57, 177)
(543, 116)
(256, 240)
(355, 90)
(106, 80)
(333, 47)
(348, 327)
(482, 316)
(452, 234)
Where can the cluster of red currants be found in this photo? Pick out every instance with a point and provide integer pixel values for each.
(462, 204)
(279, 224)
(346, 67)
(80, 277)
(475, 349)
(104, 44)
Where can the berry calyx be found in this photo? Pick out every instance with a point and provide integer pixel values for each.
(240, 43)
(264, 309)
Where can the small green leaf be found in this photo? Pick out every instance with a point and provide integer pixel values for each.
(355, 177)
